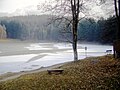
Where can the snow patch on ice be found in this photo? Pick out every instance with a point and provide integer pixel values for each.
(63, 46)
(37, 47)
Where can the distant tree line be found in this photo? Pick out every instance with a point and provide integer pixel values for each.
(103, 30)
(36, 28)
(29, 27)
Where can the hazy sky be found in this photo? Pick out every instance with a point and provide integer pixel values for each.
(11, 5)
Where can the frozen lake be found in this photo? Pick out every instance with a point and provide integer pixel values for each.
(24, 56)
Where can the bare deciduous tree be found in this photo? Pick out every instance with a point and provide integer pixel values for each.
(69, 12)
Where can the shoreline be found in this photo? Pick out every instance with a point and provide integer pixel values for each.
(13, 75)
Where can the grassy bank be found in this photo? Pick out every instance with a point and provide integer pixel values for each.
(98, 73)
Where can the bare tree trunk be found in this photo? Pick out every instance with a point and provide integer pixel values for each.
(118, 18)
(75, 15)
(117, 12)
(75, 51)
(118, 22)
(75, 42)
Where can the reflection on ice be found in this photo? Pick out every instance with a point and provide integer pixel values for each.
(16, 58)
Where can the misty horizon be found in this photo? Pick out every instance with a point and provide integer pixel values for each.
(25, 8)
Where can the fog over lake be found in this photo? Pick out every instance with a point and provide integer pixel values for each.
(18, 56)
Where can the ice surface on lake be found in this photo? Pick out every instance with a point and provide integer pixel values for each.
(16, 63)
